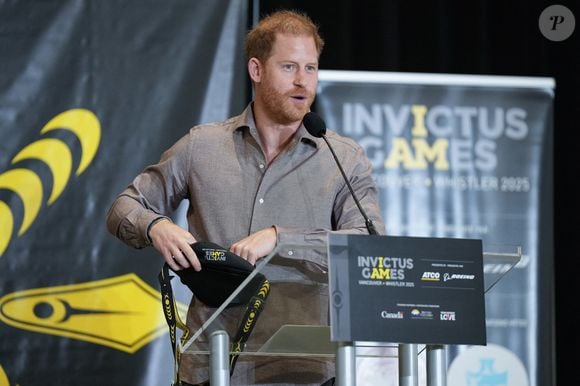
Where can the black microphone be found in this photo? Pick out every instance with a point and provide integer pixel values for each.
(317, 128)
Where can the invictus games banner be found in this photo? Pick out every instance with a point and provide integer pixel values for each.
(466, 157)
(90, 93)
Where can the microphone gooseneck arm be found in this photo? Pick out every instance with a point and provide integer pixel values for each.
(368, 222)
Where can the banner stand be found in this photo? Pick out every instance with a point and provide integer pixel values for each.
(470, 156)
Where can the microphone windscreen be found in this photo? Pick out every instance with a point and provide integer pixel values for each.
(314, 124)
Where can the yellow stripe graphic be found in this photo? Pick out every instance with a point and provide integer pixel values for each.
(56, 155)
(28, 186)
(3, 378)
(87, 128)
(6, 226)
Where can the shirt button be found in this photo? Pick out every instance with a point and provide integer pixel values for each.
(290, 253)
(261, 166)
(261, 200)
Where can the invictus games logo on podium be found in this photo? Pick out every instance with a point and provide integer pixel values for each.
(384, 270)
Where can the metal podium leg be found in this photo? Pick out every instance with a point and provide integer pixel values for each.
(345, 364)
(408, 365)
(219, 358)
(436, 365)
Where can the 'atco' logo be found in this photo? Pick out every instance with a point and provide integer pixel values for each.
(431, 276)
(27, 185)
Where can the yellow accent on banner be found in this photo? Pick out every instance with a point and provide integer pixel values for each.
(3, 378)
(419, 129)
(85, 125)
(6, 226)
(418, 156)
(435, 153)
(28, 186)
(56, 155)
(123, 312)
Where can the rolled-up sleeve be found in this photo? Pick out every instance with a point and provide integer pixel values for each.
(155, 193)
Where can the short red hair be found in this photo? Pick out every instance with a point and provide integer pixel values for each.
(260, 40)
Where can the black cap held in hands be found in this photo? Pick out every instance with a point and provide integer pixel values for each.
(221, 273)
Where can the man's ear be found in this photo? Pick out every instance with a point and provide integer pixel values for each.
(255, 69)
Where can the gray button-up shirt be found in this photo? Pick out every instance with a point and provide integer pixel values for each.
(221, 169)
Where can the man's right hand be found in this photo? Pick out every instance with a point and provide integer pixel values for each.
(173, 243)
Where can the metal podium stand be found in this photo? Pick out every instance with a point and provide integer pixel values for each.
(298, 278)
(505, 258)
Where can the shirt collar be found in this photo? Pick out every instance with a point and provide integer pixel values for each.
(246, 121)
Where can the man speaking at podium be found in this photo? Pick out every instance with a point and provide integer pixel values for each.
(255, 181)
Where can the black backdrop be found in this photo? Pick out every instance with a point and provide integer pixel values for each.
(474, 37)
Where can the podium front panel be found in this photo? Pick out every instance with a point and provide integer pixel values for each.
(407, 289)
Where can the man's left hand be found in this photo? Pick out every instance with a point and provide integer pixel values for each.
(256, 245)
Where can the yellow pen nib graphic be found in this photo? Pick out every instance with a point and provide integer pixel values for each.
(57, 156)
(123, 312)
